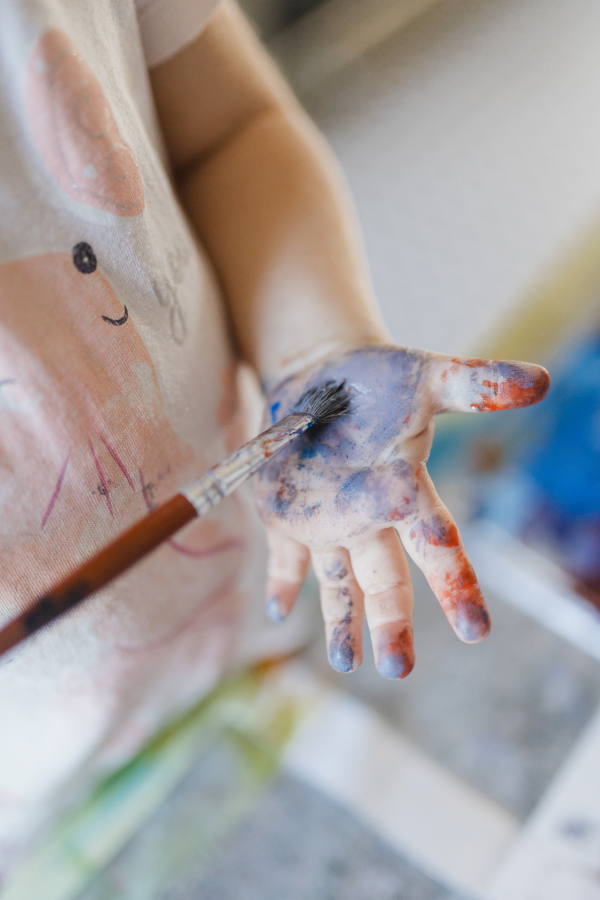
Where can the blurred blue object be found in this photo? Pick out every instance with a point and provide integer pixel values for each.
(566, 466)
(536, 473)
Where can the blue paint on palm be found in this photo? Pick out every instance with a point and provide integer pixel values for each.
(274, 408)
(383, 382)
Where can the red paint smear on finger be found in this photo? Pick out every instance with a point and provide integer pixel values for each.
(395, 652)
(435, 531)
(515, 386)
(462, 600)
(472, 363)
(399, 513)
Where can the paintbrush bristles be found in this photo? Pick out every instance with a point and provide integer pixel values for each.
(326, 403)
(317, 406)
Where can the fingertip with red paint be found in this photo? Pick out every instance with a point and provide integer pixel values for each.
(394, 650)
(512, 385)
(461, 599)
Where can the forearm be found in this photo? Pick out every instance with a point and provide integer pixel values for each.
(271, 210)
(267, 200)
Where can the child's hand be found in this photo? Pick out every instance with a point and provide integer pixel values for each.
(343, 493)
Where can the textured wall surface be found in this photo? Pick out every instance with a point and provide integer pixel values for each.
(471, 141)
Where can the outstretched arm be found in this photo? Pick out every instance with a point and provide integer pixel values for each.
(268, 202)
(266, 197)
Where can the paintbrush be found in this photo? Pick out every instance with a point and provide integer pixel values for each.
(317, 406)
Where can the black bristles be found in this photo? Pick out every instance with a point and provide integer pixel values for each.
(326, 403)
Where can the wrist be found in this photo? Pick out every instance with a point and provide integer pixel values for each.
(319, 352)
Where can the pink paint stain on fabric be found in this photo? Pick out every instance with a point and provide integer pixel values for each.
(82, 416)
(116, 458)
(75, 130)
(56, 490)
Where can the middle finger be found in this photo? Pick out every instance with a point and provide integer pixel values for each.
(382, 572)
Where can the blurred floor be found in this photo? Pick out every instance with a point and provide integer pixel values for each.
(298, 844)
(503, 716)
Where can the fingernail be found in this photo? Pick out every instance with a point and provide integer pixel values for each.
(472, 623)
(395, 658)
(341, 650)
(273, 610)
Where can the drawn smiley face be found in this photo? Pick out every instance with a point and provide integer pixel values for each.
(86, 447)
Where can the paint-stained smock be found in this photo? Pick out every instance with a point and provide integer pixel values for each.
(117, 386)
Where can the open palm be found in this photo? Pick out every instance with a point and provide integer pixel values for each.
(347, 494)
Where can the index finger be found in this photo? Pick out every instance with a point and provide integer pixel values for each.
(461, 384)
(434, 543)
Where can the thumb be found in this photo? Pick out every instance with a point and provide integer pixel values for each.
(460, 384)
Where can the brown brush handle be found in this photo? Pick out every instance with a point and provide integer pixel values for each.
(143, 537)
(113, 560)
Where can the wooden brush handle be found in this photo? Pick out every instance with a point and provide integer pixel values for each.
(194, 501)
(108, 563)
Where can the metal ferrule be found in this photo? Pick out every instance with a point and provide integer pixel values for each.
(226, 476)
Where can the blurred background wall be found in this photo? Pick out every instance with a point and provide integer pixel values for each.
(470, 135)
